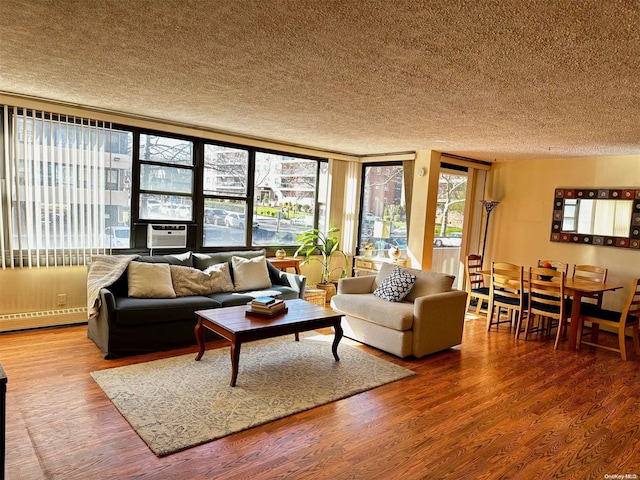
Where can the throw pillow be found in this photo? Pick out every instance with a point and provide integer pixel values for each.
(190, 281)
(150, 280)
(250, 273)
(220, 278)
(396, 286)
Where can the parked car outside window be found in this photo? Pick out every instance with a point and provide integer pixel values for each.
(116, 237)
(237, 220)
(454, 239)
(215, 216)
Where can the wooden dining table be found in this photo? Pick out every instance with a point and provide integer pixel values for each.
(576, 288)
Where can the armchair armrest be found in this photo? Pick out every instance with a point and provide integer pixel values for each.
(356, 284)
(438, 321)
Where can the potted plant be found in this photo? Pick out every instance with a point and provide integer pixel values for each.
(327, 244)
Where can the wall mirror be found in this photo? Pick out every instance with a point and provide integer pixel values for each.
(605, 216)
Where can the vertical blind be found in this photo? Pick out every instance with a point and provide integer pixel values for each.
(53, 189)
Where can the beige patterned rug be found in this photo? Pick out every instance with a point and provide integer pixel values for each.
(177, 403)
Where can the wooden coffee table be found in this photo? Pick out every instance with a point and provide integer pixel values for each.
(232, 323)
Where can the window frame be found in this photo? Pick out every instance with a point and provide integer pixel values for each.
(376, 169)
(129, 185)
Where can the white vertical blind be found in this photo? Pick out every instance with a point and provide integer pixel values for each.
(54, 191)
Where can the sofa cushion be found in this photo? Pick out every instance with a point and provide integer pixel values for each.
(250, 273)
(396, 286)
(203, 260)
(231, 299)
(141, 311)
(184, 259)
(150, 280)
(427, 283)
(398, 315)
(190, 281)
(220, 277)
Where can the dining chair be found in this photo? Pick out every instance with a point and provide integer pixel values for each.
(474, 282)
(546, 301)
(506, 291)
(591, 273)
(629, 317)
(560, 266)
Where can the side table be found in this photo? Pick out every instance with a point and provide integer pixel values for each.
(371, 265)
(284, 263)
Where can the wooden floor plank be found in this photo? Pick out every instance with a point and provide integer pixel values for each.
(495, 407)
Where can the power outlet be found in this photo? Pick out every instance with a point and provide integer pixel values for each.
(62, 299)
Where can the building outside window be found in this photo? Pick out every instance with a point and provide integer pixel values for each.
(383, 221)
(285, 199)
(66, 186)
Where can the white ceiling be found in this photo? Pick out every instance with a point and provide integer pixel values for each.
(500, 80)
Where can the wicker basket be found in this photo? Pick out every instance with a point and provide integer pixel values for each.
(315, 295)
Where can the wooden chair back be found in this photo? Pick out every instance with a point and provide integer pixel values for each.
(506, 291)
(546, 298)
(474, 282)
(617, 321)
(560, 266)
(474, 279)
(591, 273)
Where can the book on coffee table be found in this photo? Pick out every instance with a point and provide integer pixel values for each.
(263, 301)
(275, 308)
(254, 313)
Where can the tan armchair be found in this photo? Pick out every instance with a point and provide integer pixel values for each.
(428, 320)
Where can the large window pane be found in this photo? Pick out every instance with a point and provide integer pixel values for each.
(383, 221)
(225, 223)
(284, 198)
(154, 148)
(225, 171)
(166, 191)
(165, 207)
(166, 179)
(452, 192)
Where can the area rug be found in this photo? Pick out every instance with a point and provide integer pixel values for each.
(177, 403)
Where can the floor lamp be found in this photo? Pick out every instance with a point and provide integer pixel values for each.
(489, 205)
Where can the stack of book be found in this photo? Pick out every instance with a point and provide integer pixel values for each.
(266, 306)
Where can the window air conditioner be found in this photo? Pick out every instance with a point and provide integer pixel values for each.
(166, 236)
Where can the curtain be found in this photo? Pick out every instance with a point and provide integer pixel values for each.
(54, 196)
(408, 167)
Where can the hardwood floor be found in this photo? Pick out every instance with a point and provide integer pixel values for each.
(491, 408)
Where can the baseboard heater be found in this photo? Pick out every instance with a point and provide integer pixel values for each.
(166, 236)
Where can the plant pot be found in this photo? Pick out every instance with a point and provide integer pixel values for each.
(329, 289)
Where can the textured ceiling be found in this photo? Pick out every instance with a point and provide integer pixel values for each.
(489, 80)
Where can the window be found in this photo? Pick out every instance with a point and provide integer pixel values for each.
(65, 189)
(225, 189)
(166, 178)
(72, 182)
(285, 197)
(383, 221)
(448, 230)
(452, 192)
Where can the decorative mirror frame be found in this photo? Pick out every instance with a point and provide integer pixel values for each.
(557, 235)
